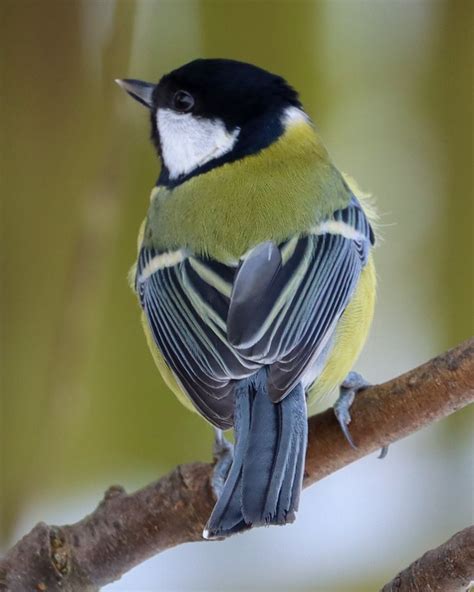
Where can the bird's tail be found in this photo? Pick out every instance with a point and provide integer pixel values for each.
(264, 483)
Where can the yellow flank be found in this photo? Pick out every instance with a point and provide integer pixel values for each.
(351, 334)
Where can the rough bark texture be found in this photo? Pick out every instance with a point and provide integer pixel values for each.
(126, 529)
(448, 568)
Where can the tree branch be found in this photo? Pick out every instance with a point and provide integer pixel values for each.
(125, 530)
(448, 568)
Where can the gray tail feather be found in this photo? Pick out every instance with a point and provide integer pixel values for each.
(264, 482)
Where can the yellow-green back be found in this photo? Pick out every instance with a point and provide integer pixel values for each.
(279, 192)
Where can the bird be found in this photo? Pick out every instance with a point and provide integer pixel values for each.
(254, 275)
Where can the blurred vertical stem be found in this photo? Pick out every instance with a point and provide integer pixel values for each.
(42, 72)
(452, 85)
(450, 103)
(59, 140)
(94, 240)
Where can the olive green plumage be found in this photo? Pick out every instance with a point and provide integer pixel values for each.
(280, 192)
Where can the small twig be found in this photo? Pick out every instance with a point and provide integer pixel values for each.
(448, 568)
(125, 530)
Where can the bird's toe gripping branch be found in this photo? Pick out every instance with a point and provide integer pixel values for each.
(353, 383)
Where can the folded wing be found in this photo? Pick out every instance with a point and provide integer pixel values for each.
(215, 323)
(297, 301)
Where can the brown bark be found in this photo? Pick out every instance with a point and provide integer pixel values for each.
(448, 568)
(126, 529)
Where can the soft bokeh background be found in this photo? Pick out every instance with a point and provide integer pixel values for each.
(82, 406)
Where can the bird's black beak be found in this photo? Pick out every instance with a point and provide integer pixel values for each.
(139, 90)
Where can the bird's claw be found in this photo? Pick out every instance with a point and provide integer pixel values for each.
(343, 416)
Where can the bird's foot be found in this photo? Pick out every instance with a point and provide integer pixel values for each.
(353, 383)
(223, 452)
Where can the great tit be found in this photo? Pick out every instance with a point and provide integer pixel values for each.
(254, 274)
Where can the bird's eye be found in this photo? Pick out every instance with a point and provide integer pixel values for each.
(183, 101)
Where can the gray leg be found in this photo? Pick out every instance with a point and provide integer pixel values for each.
(223, 455)
(347, 392)
(353, 383)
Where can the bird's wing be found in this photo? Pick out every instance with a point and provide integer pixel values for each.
(216, 323)
(185, 300)
(286, 300)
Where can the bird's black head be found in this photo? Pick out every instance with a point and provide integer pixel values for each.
(210, 112)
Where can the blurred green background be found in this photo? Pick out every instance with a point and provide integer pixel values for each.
(388, 84)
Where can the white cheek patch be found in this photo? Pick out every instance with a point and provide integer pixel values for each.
(188, 142)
